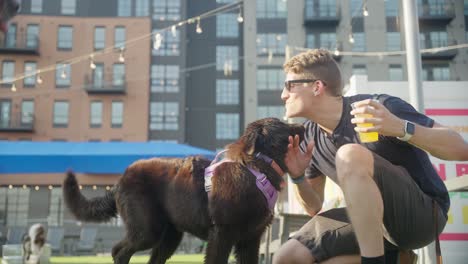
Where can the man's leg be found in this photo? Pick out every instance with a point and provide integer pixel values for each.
(355, 169)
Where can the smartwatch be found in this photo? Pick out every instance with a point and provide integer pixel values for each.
(409, 131)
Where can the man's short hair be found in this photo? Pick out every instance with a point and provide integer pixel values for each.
(317, 64)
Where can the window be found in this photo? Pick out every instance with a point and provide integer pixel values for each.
(227, 54)
(359, 41)
(165, 78)
(99, 38)
(438, 39)
(98, 76)
(166, 10)
(393, 41)
(395, 73)
(141, 8)
(10, 40)
(60, 117)
(328, 40)
(117, 114)
(119, 37)
(15, 206)
(65, 38)
(169, 45)
(56, 207)
(271, 9)
(265, 111)
(27, 111)
(391, 8)
(274, 43)
(95, 111)
(227, 26)
(310, 41)
(359, 69)
(436, 72)
(355, 8)
(68, 7)
(227, 125)
(118, 74)
(32, 36)
(36, 6)
(270, 79)
(5, 113)
(164, 116)
(124, 8)
(465, 5)
(8, 71)
(224, 1)
(29, 68)
(227, 92)
(62, 75)
(321, 8)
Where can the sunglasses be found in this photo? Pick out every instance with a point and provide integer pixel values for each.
(289, 84)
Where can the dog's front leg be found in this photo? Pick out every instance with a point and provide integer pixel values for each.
(219, 246)
(247, 251)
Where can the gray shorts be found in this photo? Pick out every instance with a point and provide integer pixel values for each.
(408, 218)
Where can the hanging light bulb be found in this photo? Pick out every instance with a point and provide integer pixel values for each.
(240, 19)
(365, 12)
(270, 56)
(351, 38)
(336, 52)
(63, 75)
(174, 31)
(157, 41)
(13, 87)
(91, 62)
(24, 186)
(121, 55)
(50, 187)
(36, 188)
(38, 78)
(199, 30)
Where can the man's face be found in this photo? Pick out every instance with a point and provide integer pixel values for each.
(8, 9)
(297, 94)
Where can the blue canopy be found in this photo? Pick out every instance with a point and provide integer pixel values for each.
(86, 157)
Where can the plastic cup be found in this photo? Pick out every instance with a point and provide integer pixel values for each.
(366, 137)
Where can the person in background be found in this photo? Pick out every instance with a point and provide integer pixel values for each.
(395, 198)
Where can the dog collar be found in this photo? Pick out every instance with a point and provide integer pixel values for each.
(262, 182)
(270, 161)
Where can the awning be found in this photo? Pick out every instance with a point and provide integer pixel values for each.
(86, 157)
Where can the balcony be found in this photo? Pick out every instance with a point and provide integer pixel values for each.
(19, 44)
(326, 15)
(441, 55)
(17, 123)
(436, 13)
(103, 86)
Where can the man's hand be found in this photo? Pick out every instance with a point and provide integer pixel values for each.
(385, 123)
(295, 159)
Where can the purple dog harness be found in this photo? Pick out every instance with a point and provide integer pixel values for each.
(263, 184)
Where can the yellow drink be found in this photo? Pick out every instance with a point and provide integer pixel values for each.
(369, 136)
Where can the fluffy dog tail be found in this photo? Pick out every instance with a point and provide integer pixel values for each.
(99, 209)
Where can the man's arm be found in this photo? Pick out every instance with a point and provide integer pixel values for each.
(439, 141)
(310, 194)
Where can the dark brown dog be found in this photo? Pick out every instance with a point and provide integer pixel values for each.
(8, 9)
(159, 199)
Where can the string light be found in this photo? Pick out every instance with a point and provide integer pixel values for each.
(240, 19)
(36, 188)
(121, 55)
(50, 187)
(38, 78)
(336, 52)
(174, 31)
(24, 186)
(10, 186)
(13, 87)
(199, 29)
(80, 58)
(157, 41)
(92, 65)
(365, 12)
(63, 75)
(351, 38)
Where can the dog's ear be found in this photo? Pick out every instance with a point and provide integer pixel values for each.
(249, 142)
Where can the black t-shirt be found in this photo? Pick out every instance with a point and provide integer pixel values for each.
(415, 160)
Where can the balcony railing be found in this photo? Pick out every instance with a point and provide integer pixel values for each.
(17, 123)
(19, 44)
(443, 11)
(103, 86)
(441, 55)
(324, 14)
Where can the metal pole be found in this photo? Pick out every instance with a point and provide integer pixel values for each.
(413, 56)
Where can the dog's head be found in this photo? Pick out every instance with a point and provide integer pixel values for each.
(8, 9)
(269, 136)
(37, 234)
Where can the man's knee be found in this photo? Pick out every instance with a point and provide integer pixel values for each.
(353, 159)
(292, 252)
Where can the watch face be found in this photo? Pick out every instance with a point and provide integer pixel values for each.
(410, 128)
